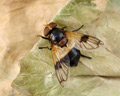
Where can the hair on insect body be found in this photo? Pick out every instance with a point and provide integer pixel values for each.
(66, 46)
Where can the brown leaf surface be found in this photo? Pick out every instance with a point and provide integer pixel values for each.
(20, 22)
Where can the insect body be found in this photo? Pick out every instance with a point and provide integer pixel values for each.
(66, 48)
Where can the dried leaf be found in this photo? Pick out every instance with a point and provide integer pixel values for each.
(99, 76)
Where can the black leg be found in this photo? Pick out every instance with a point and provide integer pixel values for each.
(78, 29)
(43, 37)
(86, 56)
(63, 28)
(45, 48)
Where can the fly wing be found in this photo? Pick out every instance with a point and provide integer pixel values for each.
(62, 64)
(83, 41)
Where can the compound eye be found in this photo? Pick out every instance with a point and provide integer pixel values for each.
(49, 27)
(52, 24)
(46, 31)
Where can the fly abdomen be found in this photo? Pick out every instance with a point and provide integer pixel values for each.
(74, 56)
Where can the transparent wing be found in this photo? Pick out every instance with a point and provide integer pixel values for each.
(62, 65)
(84, 42)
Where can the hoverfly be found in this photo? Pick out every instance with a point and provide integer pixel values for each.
(66, 46)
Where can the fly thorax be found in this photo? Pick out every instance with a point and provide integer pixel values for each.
(56, 35)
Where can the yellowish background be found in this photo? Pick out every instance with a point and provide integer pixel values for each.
(20, 22)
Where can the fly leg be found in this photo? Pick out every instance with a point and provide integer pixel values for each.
(63, 28)
(78, 29)
(45, 48)
(86, 56)
(43, 37)
(46, 39)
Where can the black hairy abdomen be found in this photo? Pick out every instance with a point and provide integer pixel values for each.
(74, 56)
